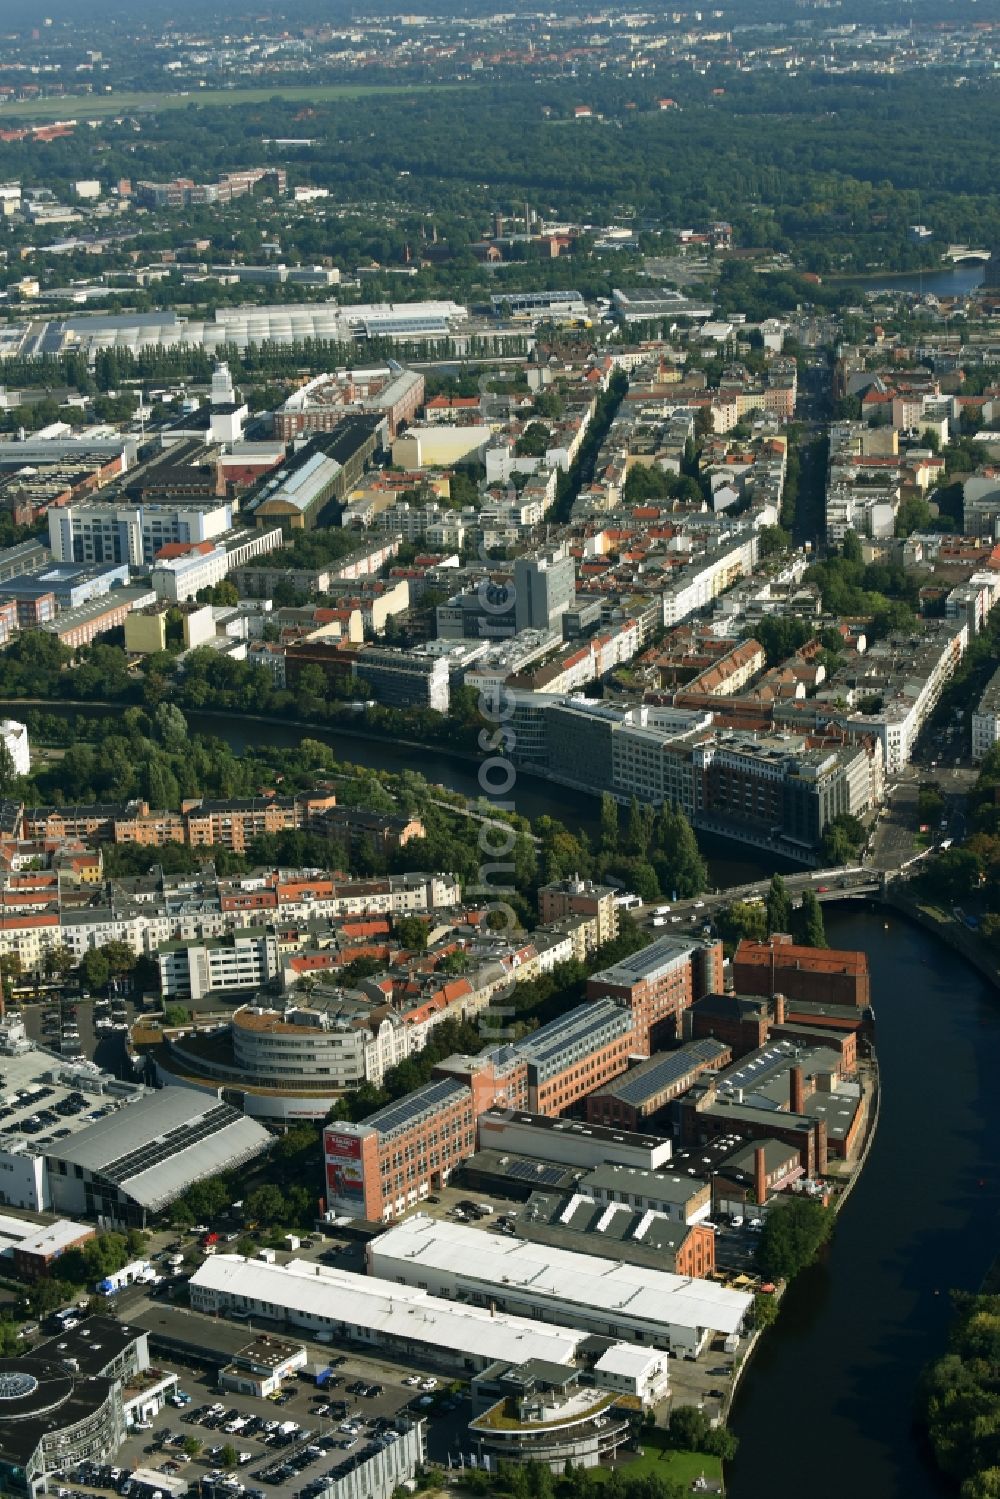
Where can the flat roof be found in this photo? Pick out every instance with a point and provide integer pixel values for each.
(648, 962)
(365, 1303)
(563, 1277)
(37, 1082)
(577, 1128)
(665, 1186)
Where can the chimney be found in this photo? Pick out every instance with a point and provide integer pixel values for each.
(796, 1091)
(759, 1176)
(779, 1009)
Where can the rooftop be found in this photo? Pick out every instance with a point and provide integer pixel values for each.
(365, 1303)
(558, 1276)
(663, 1071)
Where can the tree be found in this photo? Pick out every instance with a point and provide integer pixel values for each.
(411, 932)
(191, 1446)
(229, 1457)
(851, 547)
(688, 1428)
(170, 725)
(639, 828)
(93, 969)
(609, 824)
(809, 921)
(792, 1235)
(58, 961)
(265, 1205)
(774, 540)
(779, 906)
(176, 1014)
(119, 957)
(764, 1310)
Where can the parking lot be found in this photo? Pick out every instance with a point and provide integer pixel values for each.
(246, 1448)
(321, 1412)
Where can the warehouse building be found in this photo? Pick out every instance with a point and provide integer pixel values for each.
(569, 1142)
(133, 1164)
(405, 1320)
(632, 1101)
(300, 494)
(606, 1297)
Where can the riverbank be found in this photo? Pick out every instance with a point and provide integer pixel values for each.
(858, 1325)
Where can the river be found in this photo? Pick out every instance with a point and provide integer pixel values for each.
(956, 281)
(827, 1405)
(828, 1400)
(729, 863)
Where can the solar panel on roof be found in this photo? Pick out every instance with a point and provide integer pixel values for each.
(527, 1171)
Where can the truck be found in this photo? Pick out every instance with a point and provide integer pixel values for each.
(138, 1272)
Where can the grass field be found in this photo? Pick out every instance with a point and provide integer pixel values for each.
(676, 1467)
(99, 106)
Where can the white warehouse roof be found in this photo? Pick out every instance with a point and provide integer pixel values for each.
(307, 1293)
(476, 1260)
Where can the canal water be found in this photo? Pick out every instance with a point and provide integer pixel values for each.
(728, 862)
(955, 281)
(827, 1406)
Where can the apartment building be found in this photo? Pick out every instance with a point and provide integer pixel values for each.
(240, 962)
(986, 719)
(576, 897)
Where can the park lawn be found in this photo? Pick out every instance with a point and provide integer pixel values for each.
(664, 1462)
(96, 106)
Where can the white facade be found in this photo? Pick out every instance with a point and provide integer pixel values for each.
(244, 960)
(363, 1308)
(97, 530)
(986, 720)
(178, 578)
(610, 1298)
(629, 1370)
(15, 740)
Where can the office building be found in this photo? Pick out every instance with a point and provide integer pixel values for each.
(112, 530)
(239, 963)
(404, 679)
(73, 1397)
(658, 983)
(395, 1158)
(544, 588)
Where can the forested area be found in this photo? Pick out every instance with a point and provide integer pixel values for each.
(960, 1399)
(790, 162)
